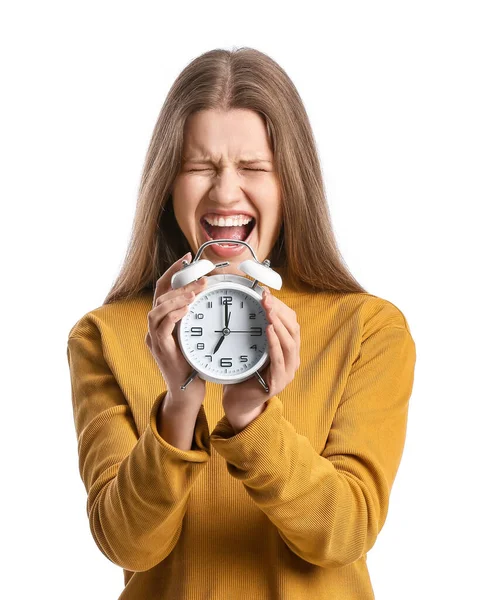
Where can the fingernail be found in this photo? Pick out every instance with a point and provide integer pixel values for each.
(186, 256)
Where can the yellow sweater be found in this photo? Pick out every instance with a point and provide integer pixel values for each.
(287, 508)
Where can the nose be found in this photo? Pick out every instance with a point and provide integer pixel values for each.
(226, 188)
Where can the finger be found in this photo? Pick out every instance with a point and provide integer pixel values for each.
(154, 339)
(164, 340)
(276, 357)
(287, 342)
(166, 327)
(194, 286)
(163, 308)
(285, 312)
(163, 284)
(288, 317)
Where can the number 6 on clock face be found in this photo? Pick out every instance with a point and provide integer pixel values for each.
(223, 336)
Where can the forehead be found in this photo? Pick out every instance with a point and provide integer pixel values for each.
(237, 133)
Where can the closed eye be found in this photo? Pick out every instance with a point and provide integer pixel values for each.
(200, 170)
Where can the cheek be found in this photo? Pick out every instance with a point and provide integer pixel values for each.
(268, 201)
(185, 199)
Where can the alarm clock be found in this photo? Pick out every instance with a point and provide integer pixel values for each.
(223, 335)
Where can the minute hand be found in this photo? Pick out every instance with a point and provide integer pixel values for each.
(254, 329)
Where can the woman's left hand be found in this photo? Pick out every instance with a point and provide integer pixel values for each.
(243, 402)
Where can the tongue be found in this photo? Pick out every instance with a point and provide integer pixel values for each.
(233, 233)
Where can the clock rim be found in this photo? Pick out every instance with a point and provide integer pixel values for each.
(243, 286)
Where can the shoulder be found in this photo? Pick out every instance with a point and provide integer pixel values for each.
(360, 312)
(378, 313)
(353, 315)
(372, 322)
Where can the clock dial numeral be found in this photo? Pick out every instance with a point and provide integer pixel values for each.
(209, 356)
(256, 331)
(226, 362)
(242, 304)
(210, 304)
(243, 358)
(227, 300)
(200, 346)
(199, 316)
(252, 315)
(196, 331)
(254, 347)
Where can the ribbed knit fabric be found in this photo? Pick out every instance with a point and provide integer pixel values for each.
(288, 507)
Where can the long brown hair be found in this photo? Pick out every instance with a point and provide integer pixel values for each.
(306, 249)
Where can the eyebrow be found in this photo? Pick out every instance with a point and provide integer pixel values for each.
(244, 161)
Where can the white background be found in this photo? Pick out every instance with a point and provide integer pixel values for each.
(393, 93)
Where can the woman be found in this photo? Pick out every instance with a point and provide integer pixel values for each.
(298, 487)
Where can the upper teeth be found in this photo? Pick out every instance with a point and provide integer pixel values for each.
(232, 221)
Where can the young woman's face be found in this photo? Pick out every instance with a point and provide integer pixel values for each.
(216, 177)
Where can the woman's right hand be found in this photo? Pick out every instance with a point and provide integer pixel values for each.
(168, 307)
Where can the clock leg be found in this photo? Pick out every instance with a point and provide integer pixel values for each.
(262, 381)
(188, 380)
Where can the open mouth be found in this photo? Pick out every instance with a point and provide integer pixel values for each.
(236, 232)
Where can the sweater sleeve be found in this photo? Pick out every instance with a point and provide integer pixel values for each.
(329, 508)
(137, 486)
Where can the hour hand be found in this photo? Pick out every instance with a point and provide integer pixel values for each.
(221, 340)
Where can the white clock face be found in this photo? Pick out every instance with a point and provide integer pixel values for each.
(221, 352)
